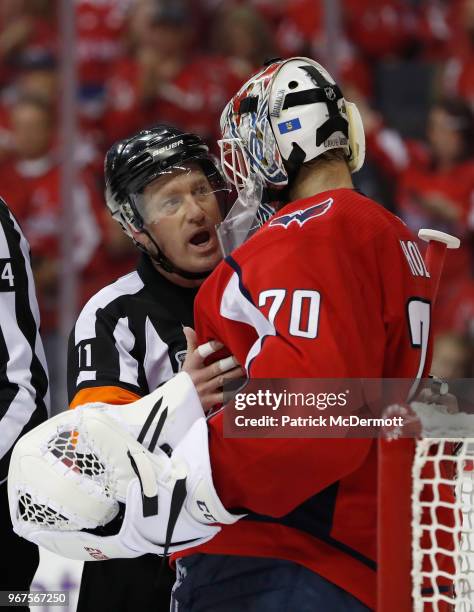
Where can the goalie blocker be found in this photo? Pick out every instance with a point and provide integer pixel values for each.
(85, 487)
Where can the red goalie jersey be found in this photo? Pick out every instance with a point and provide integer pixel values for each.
(332, 287)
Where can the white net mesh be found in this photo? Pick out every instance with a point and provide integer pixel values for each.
(73, 457)
(443, 525)
(37, 513)
(72, 450)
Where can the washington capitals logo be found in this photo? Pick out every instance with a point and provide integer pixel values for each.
(301, 216)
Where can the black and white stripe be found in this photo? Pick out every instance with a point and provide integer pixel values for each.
(130, 334)
(24, 392)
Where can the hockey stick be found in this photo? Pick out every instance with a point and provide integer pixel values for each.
(438, 243)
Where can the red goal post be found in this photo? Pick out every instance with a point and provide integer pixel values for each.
(394, 524)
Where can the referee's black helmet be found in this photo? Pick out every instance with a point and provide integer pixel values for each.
(133, 163)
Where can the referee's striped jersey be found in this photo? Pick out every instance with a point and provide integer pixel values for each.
(24, 392)
(128, 339)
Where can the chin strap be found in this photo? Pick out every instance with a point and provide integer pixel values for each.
(160, 259)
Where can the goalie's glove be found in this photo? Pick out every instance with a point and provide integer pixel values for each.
(84, 488)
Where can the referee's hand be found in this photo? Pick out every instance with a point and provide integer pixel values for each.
(208, 379)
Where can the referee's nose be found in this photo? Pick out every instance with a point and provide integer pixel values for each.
(193, 210)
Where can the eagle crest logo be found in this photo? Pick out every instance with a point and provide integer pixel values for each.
(300, 217)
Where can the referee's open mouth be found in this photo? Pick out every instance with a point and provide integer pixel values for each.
(202, 240)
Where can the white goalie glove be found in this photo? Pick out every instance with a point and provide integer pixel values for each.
(82, 486)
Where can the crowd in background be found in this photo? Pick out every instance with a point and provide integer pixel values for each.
(408, 64)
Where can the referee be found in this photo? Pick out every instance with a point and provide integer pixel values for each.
(24, 394)
(165, 190)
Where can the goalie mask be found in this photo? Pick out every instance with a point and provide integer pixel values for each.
(289, 113)
(158, 153)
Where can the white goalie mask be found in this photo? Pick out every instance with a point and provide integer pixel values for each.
(289, 113)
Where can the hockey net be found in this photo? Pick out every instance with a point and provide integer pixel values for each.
(442, 525)
(426, 525)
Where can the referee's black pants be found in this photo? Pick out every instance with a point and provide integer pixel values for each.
(19, 558)
(126, 585)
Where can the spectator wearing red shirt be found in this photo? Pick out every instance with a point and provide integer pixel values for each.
(380, 28)
(435, 31)
(36, 77)
(458, 74)
(31, 182)
(242, 35)
(26, 26)
(302, 31)
(457, 314)
(434, 188)
(438, 191)
(162, 81)
(100, 28)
